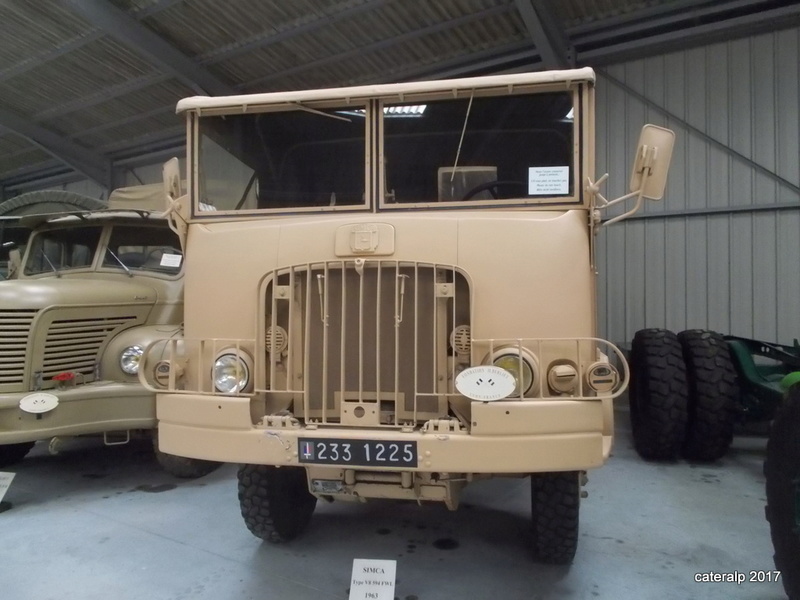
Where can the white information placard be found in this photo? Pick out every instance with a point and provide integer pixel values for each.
(548, 181)
(372, 579)
(171, 260)
(5, 483)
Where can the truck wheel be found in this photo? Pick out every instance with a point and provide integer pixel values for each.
(13, 453)
(712, 394)
(182, 467)
(275, 501)
(658, 394)
(555, 506)
(782, 469)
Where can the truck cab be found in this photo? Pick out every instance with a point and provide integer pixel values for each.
(92, 290)
(390, 294)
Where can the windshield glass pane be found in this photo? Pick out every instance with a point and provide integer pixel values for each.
(481, 149)
(61, 249)
(283, 160)
(143, 249)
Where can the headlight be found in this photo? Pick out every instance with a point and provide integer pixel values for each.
(130, 358)
(521, 364)
(231, 374)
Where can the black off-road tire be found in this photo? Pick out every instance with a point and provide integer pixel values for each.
(555, 510)
(182, 467)
(49, 201)
(13, 453)
(713, 393)
(275, 502)
(658, 394)
(782, 469)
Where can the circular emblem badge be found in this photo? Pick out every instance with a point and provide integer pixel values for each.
(485, 383)
(39, 402)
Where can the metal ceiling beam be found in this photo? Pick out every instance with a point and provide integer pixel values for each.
(382, 44)
(770, 20)
(128, 30)
(546, 34)
(91, 165)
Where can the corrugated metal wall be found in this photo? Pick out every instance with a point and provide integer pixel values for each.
(722, 249)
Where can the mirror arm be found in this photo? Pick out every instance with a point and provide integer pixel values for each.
(632, 211)
(593, 188)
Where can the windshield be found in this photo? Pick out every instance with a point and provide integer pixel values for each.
(299, 159)
(57, 250)
(440, 150)
(143, 249)
(480, 149)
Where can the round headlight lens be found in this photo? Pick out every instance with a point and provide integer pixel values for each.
(130, 358)
(520, 368)
(231, 374)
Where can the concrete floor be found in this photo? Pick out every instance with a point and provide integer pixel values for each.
(105, 523)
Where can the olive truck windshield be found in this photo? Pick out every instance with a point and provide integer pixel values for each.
(442, 151)
(128, 248)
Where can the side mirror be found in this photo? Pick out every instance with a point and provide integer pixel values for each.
(171, 172)
(651, 165)
(14, 263)
(176, 208)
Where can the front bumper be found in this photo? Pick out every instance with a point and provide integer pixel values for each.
(505, 437)
(83, 409)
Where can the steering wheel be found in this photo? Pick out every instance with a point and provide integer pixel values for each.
(492, 187)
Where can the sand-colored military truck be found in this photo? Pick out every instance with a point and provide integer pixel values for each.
(93, 289)
(390, 294)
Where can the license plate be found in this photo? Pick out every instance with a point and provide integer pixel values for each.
(363, 453)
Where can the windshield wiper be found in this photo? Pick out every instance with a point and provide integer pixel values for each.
(122, 264)
(49, 262)
(461, 141)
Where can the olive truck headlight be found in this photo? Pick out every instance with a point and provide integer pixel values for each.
(130, 358)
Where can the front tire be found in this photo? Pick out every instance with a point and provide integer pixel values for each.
(555, 509)
(782, 469)
(275, 502)
(712, 394)
(658, 394)
(182, 467)
(13, 453)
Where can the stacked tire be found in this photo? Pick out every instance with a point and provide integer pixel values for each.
(683, 394)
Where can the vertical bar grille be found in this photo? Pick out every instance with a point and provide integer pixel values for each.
(368, 340)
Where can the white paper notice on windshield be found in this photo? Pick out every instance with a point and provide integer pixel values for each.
(171, 260)
(548, 181)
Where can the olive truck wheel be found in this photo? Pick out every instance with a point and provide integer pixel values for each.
(275, 502)
(182, 467)
(555, 508)
(13, 453)
(713, 393)
(658, 394)
(782, 469)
